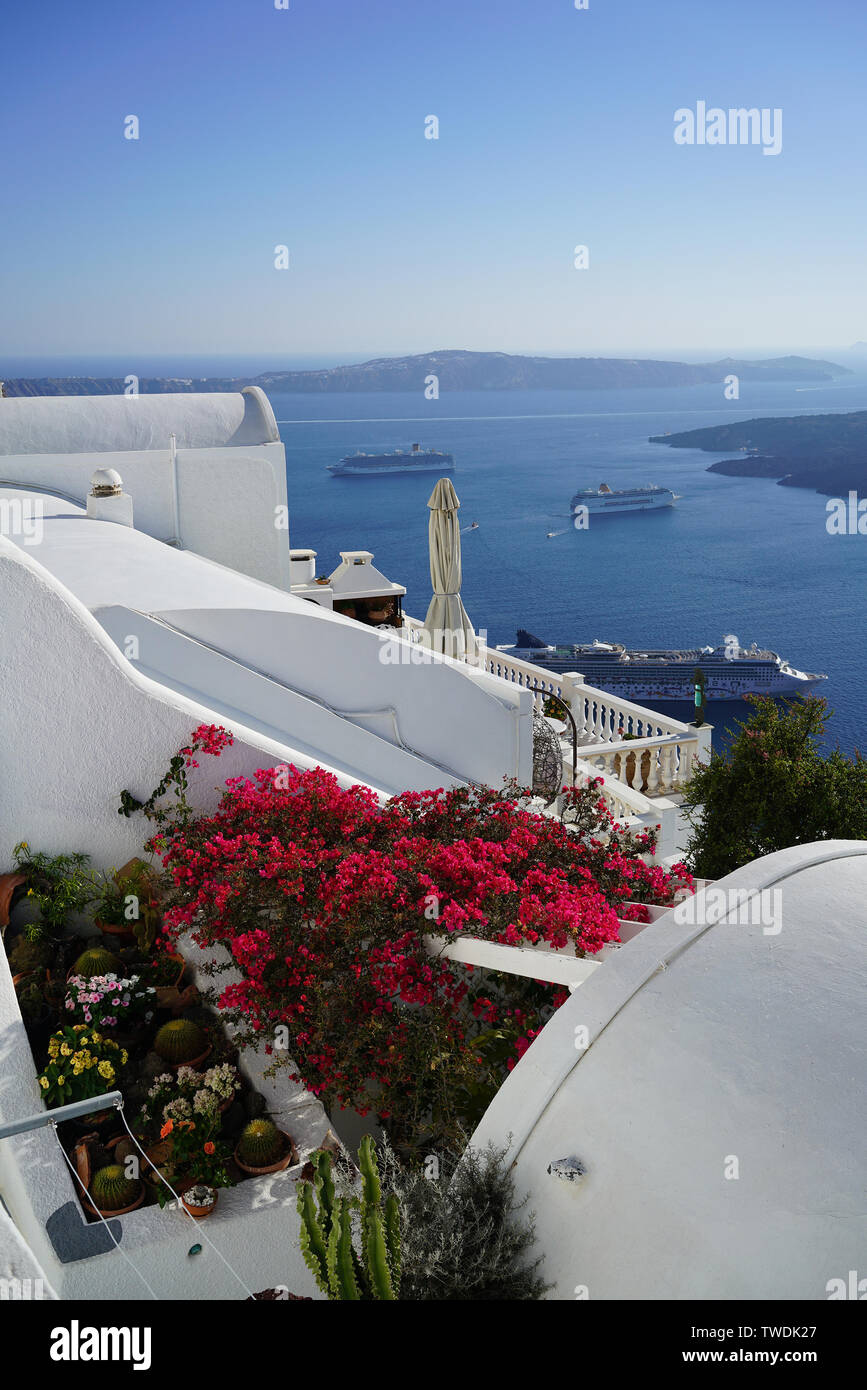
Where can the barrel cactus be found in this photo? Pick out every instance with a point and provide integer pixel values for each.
(112, 1190)
(180, 1041)
(97, 961)
(328, 1233)
(260, 1144)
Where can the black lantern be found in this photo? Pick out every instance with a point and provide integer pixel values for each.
(700, 680)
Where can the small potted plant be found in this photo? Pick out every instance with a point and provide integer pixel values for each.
(109, 1002)
(81, 1064)
(111, 915)
(59, 885)
(36, 1014)
(138, 885)
(181, 1094)
(196, 1152)
(29, 959)
(181, 1042)
(263, 1148)
(113, 1192)
(199, 1199)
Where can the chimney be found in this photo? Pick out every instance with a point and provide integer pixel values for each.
(107, 500)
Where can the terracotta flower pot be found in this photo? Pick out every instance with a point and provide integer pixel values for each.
(120, 1211)
(175, 1000)
(120, 935)
(8, 884)
(195, 1063)
(200, 1212)
(290, 1157)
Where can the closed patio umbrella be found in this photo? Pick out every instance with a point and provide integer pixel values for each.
(447, 628)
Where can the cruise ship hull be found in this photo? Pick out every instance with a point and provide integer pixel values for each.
(377, 465)
(659, 675)
(605, 502)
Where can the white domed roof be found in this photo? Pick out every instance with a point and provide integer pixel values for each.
(708, 1140)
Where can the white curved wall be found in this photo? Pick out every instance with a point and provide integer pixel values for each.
(718, 1108)
(80, 725)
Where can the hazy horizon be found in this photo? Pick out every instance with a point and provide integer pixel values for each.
(15, 366)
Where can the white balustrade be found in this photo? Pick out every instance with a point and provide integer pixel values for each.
(654, 766)
(603, 721)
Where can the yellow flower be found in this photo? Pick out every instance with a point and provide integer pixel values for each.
(106, 1070)
(61, 1079)
(65, 1050)
(30, 892)
(124, 1056)
(43, 1081)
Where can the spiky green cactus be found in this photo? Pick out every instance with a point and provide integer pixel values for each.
(97, 961)
(112, 1190)
(260, 1144)
(180, 1041)
(341, 1271)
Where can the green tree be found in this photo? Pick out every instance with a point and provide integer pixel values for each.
(772, 788)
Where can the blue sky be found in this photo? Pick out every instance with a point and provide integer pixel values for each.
(306, 128)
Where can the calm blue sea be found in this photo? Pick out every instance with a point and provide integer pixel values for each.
(739, 556)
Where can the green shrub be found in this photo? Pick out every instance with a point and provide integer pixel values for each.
(59, 884)
(772, 788)
(463, 1233)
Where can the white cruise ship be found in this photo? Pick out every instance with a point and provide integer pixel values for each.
(605, 501)
(414, 460)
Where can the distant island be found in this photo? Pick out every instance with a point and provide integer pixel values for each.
(458, 371)
(825, 452)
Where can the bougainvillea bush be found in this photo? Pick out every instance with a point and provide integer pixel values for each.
(327, 901)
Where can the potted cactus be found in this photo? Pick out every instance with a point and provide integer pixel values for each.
(199, 1200)
(29, 958)
(182, 1043)
(328, 1235)
(263, 1148)
(96, 961)
(113, 1192)
(35, 1013)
